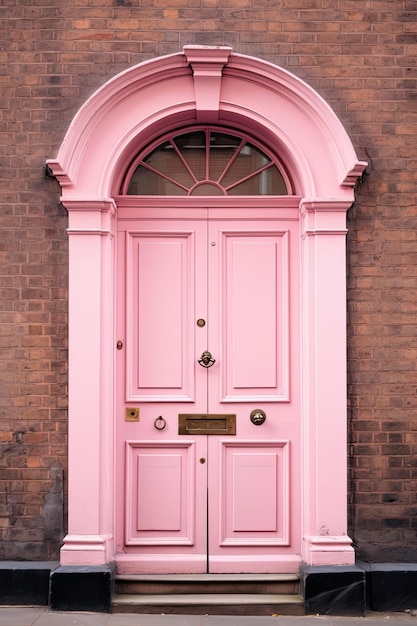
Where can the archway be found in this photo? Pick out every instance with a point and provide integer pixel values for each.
(207, 86)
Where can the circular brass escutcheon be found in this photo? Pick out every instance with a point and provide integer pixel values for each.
(201, 323)
(202, 460)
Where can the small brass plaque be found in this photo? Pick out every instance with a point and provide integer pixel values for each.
(131, 414)
(206, 424)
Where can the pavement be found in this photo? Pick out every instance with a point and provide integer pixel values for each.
(43, 616)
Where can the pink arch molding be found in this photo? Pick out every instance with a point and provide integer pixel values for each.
(209, 85)
(206, 85)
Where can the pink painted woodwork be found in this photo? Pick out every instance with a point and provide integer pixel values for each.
(166, 469)
(256, 302)
(206, 161)
(292, 330)
(255, 483)
(236, 275)
(160, 293)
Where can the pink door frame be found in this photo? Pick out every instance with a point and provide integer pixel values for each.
(206, 85)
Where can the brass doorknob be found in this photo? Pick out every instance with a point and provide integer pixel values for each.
(206, 360)
(257, 417)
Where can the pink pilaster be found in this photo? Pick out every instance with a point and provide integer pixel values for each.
(323, 232)
(90, 483)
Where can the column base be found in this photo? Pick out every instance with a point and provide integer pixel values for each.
(86, 550)
(328, 550)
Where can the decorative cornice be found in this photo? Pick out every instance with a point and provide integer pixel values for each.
(91, 231)
(317, 205)
(102, 205)
(323, 216)
(309, 232)
(354, 174)
(59, 173)
(89, 216)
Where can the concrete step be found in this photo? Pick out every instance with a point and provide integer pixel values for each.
(210, 604)
(211, 594)
(207, 583)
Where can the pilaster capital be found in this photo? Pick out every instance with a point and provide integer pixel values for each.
(324, 216)
(91, 216)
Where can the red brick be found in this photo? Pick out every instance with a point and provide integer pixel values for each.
(362, 60)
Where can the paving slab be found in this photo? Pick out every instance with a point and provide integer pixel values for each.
(19, 616)
(372, 619)
(42, 616)
(130, 619)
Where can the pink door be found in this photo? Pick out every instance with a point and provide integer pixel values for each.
(208, 462)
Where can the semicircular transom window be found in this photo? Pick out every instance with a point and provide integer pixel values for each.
(206, 162)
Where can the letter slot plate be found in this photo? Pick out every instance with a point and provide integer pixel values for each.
(206, 424)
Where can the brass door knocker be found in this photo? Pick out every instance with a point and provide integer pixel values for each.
(160, 423)
(206, 360)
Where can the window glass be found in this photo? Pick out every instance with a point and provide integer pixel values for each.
(206, 162)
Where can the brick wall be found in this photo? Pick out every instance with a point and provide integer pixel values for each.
(382, 282)
(360, 55)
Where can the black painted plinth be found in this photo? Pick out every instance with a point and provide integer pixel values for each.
(393, 586)
(334, 590)
(25, 582)
(82, 588)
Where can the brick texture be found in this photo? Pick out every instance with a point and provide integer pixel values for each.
(360, 55)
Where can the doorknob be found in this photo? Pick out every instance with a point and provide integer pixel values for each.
(206, 360)
(257, 417)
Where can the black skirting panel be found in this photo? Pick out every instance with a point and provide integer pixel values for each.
(82, 588)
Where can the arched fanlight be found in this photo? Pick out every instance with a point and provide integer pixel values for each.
(205, 162)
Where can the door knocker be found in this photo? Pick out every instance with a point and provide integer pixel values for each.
(160, 423)
(206, 360)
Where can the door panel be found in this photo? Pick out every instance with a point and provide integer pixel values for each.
(255, 506)
(160, 303)
(166, 469)
(218, 503)
(252, 303)
(254, 325)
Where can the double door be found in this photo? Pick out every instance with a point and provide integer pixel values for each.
(208, 464)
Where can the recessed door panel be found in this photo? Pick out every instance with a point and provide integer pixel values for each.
(255, 504)
(160, 482)
(255, 298)
(160, 303)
